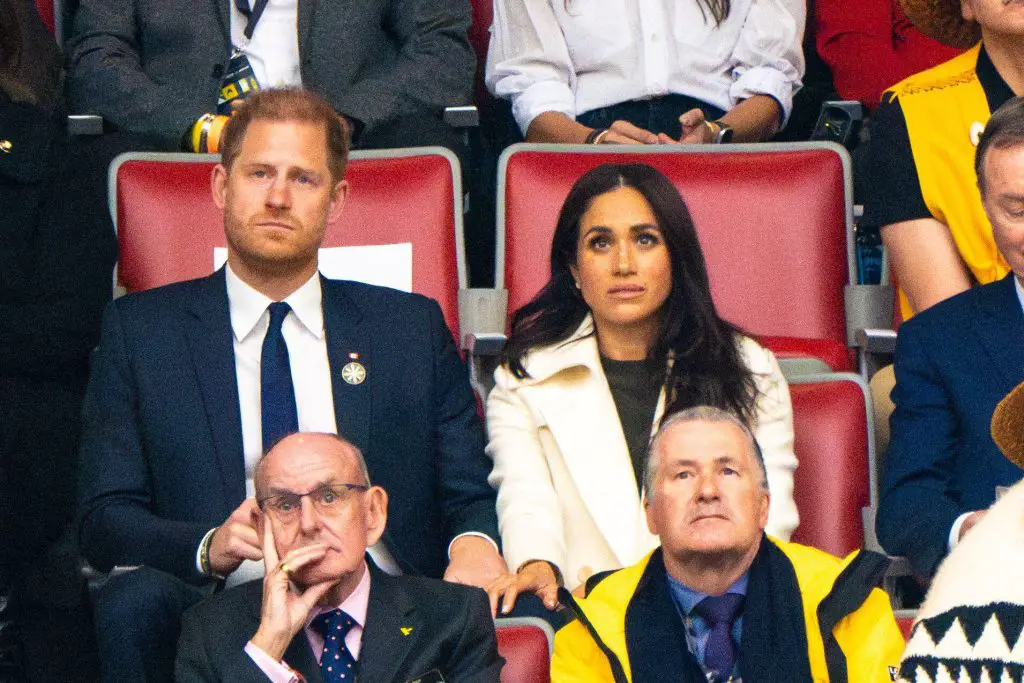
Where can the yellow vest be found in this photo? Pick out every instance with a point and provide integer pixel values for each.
(869, 637)
(941, 105)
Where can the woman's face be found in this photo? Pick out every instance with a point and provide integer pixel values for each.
(622, 266)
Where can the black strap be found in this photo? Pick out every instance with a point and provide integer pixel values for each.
(567, 599)
(253, 14)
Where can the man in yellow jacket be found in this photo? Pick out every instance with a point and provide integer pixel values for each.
(720, 601)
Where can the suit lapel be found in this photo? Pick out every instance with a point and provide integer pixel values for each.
(999, 327)
(211, 343)
(392, 630)
(222, 10)
(347, 336)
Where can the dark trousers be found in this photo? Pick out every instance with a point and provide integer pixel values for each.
(658, 115)
(138, 621)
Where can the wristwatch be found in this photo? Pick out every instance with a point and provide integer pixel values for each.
(720, 133)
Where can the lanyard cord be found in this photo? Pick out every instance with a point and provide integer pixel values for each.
(253, 14)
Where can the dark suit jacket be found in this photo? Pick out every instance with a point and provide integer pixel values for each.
(452, 632)
(162, 460)
(954, 363)
(154, 66)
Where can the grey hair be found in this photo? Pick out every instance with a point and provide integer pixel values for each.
(364, 473)
(698, 414)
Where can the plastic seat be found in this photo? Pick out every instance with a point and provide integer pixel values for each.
(168, 225)
(526, 643)
(834, 442)
(775, 223)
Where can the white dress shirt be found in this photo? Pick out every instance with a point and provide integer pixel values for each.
(573, 56)
(273, 51)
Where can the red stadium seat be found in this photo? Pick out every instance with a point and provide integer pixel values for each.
(526, 644)
(168, 225)
(775, 222)
(833, 443)
(48, 13)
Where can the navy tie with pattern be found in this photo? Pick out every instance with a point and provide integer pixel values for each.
(719, 612)
(280, 417)
(337, 665)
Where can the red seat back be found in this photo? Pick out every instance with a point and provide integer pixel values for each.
(168, 225)
(526, 645)
(773, 221)
(831, 485)
(48, 13)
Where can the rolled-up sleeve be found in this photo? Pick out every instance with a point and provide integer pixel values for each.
(528, 61)
(767, 57)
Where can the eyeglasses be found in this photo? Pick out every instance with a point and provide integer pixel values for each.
(328, 500)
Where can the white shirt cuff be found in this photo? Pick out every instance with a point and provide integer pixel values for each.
(472, 533)
(540, 97)
(199, 565)
(276, 671)
(764, 80)
(954, 532)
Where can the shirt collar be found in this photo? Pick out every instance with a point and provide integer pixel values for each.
(687, 598)
(1019, 289)
(355, 605)
(997, 90)
(248, 305)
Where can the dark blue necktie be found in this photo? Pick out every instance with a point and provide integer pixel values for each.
(719, 612)
(337, 665)
(277, 393)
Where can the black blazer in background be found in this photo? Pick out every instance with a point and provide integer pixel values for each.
(155, 66)
(413, 625)
(162, 460)
(954, 363)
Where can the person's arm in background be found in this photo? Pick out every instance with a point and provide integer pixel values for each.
(105, 66)
(926, 262)
(434, 67)
(869, 46)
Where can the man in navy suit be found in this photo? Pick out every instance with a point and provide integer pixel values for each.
(954, 362)
(186, 394)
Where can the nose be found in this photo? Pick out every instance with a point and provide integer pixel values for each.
(708, 488)
(624, 264)
(309, 518)
(278, 195)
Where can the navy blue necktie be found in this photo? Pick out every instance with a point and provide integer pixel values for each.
(277, 393)
(719, 612)
(337, 665)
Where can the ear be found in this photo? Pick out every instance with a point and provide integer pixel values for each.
(376, 502)
(338, 197)
(219, 185)
(762, 514)
(966, 10)
(575, 271)
(652, 522)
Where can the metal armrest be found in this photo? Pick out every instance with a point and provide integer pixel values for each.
(877, 341)
(462, 117)
(85, 124)
(484, 345)
(483, 350)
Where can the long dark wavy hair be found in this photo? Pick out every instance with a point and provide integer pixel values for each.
(707, 368)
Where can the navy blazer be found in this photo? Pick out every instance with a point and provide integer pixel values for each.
(413, 626)
(161, 456)
(954, 363)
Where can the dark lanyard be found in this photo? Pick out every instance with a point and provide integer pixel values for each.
(252, 13)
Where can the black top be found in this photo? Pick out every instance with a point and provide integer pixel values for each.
(892, 191)
(635, 386)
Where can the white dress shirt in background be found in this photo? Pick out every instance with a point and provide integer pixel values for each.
(273, 51)
(573, 56)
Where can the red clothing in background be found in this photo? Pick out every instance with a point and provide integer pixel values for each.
(870, 45)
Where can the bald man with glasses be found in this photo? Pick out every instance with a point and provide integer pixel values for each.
(323, 611)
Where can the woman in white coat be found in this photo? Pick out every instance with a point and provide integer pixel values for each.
(623, 333)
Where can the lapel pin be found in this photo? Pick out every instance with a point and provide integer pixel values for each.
(353, 373)
(977, 128)
(406, 630)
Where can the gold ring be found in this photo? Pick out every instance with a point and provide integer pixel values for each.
(286, 569)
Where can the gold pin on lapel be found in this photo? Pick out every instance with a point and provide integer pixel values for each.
(406, 630)
(6, 146)
(354, 372)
